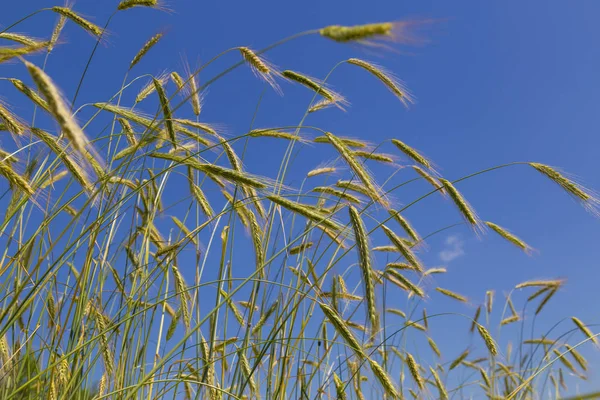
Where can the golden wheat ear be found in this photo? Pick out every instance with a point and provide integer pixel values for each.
(86, 25)
(261, 68)
(387, 78)
(317, 86)
(127, 4)
(586, 197)
(405, 32)
(145, 49)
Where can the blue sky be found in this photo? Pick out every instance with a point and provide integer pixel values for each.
(497, 82)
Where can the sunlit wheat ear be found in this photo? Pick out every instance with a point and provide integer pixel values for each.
(126, 4)
(247, 304)
(238, 206)
(173, 326)
(79, 20)
(485, 378)
(300, 248)
(443, 394)
(405, 224)
(182, 293)
(563, 359)
(349, 142)
(538, 293)
(339, 387)
(585, 330)
(191, 90)
(416, 325)
(384, 379)
(365, 264)
(544, 341)
(30, 93)
(275, 133)
(265, 317)
(316, 86)
(178, 81)
(15, 179)
(59, 109)
(463, 206)
(459, 360)
(344, 34)
(545, 300)
(414, 371)
(489, 300)
(353, 186)
(150, 88)
(398, 265)
(387, 78)
(452, 294)
(436, 270)
(369, 155)
(228, 174)
(577, 357)
(261, 67)
(342, 329)
(247, 371)
(127, 113)
(209, 369)
(403, 248)
(60, 24)
(20, 38)
(321, 105)
(550, 282)
(395, 311)
(412, 153)
(8, 158)
(9, 53)
(588, 199)
(146, 48)
(128, 131)
(510, 237)
(78, 172)
(429, 178)
(198, 125)
(101, 325)
(510, 320)
(487, 338)
(374, 192)
(306, 212)
(337, 193)
(392, 273)
(11, 122)
(434, 347)
(320, 171)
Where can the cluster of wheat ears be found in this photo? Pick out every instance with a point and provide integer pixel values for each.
(110, 288)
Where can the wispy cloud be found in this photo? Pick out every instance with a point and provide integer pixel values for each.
(454, 248)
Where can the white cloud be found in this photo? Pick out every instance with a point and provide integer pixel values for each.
(453, 250)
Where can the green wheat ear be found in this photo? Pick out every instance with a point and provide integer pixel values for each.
(126, 4)
(79, 20)
(145, 49)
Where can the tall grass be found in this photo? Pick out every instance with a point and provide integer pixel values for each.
(146, 260)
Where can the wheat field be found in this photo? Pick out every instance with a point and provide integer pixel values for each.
(142, 258)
